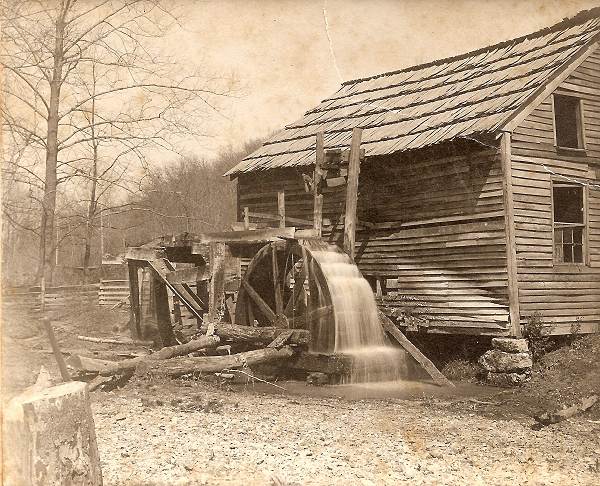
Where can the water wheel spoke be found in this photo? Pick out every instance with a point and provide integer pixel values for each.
(312, 315)
(298, 287)
(261, 304)
(276, 282)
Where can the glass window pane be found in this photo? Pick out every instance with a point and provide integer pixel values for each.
(567, 254)
(558, 253)
(578, 254)
(577, 235)
(567, 235)
(558, 237)
(566, 121)
(568, 204)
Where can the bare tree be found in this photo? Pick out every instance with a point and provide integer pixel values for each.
(86, 87)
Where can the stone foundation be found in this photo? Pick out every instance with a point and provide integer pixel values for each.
(508, 363)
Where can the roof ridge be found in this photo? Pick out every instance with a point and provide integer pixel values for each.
(579, 18)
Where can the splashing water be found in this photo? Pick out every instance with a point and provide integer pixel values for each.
(358, 332)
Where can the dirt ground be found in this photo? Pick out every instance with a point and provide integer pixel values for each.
(198, 432)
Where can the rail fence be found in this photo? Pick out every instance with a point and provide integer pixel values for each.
(108, 293)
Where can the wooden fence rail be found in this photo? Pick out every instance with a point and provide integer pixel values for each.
(29, 299)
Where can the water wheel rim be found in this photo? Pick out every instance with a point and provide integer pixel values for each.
(276, 269)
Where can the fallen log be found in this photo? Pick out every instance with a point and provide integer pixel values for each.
(256, 335)
(106, 368)
(330, 364)
(125, 341)
(555, 416)
(215, 364)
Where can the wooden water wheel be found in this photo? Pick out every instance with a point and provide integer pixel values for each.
(284, 286)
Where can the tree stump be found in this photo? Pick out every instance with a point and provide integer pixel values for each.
(50, 438)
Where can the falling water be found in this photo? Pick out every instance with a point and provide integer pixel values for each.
(358, 332)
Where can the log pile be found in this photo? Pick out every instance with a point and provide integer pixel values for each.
(270, 345)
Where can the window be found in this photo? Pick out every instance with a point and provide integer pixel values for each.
(569, 223)
(567, 122)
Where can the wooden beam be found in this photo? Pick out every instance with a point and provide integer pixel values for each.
(276, 284)
(144, 254)
(60, 361)
(162, 311)
(186, 275)
(216, 288)
(511, 245)
(427, 365)
(265, 235)
(281, 208)
(258, 300)
(134, 301)
(352, 194)
(317, 196)
(246, 218)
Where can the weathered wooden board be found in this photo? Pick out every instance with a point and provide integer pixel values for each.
(566, 297)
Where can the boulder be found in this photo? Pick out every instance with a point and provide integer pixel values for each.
(502, 362)
(510, 345)
(317, 379)
(507, 380)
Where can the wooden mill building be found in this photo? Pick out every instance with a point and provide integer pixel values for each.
(479, 191)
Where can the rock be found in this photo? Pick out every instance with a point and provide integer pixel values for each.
(317, 379)
(510, 345)
(499, 361)
(507, 380)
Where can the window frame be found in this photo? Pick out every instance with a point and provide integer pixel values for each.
(581, 141)
(584, 225)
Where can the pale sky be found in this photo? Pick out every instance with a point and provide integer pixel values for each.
(280, 53)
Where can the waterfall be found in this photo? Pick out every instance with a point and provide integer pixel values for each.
(358, 332)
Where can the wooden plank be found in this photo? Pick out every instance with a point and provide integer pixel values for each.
(186, 275)
(246, 218)
(60, 361)
(162, 312)
(144, 254)
(511, 246)
(261, 304)
(248, 237)
(216, 292)
(352, 194)
(317, 196)
(281, 208)
(134, 301)
(427, 365)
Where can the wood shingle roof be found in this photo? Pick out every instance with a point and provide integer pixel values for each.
(460, 97)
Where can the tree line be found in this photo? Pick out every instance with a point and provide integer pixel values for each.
(92, 105)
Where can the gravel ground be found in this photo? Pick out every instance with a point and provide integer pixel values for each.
(200, 434)
(195, 433)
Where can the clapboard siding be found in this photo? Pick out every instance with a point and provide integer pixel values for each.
(436, 240)
(258, 192)
(567, 297)
(441, 258)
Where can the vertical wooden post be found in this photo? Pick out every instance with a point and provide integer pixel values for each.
(352, 194)
(511, 246)
(318, 197)
(134, 300)
(246, 218)
(281, 207)
(216, 292)
(62, 366)
(162, 312)
(43, 295)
